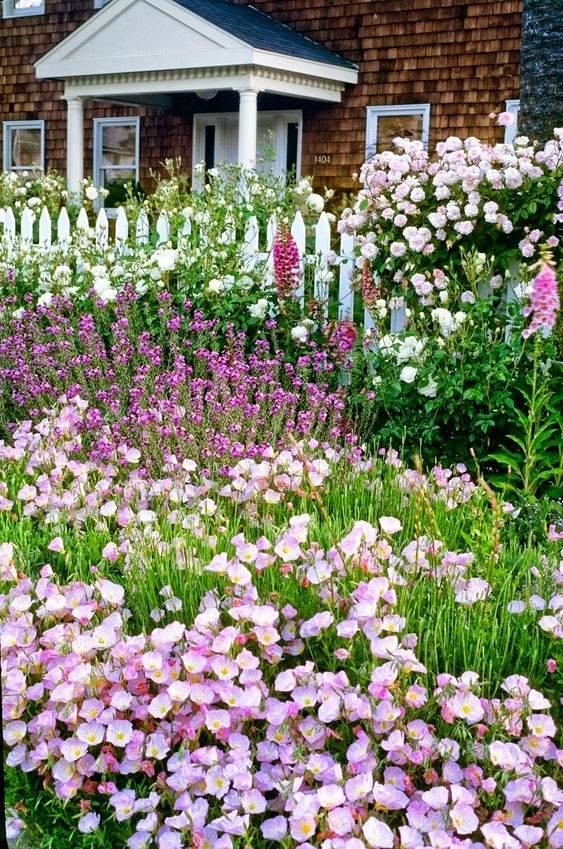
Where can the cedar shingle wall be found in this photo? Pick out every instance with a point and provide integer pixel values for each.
(22, 97)
(461, 56)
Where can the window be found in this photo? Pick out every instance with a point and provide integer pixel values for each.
(116, 156)
(385, 123)
(21, 8)
(24, 145)
(99, 3)
(510, 132)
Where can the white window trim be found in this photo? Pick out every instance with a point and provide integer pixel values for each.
(9, 10)
(511, 132)
(99, 123)
(374, 112)
(7, 144)
(201, 119)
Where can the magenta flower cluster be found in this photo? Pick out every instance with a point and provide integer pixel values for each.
(194, 392)
(287, 263)
(544, 302)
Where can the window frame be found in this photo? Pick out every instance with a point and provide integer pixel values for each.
(9, 10)
(511, 132)
(383, 111)
(98, 169)
(8, 126)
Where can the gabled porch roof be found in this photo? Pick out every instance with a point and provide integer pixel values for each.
(166, 46)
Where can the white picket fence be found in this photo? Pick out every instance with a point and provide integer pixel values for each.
(331, 258)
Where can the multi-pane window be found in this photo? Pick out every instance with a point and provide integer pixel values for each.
(24, 145)
(20, 8)
(385, 123)
(116, 154)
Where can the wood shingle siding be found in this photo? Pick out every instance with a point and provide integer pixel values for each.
(461, 56)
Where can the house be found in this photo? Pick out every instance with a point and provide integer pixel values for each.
(112, 89)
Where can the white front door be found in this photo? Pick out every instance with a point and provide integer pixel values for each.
(278, 149)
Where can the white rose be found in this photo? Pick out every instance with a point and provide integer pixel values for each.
(215, 285)
(445, 319)
(166, 259)
(259, 309)
(91, 193)
(316, 202)
(408, 374)
(429, 391)
(299, 333)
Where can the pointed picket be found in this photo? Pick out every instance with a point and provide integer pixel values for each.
(299, 234)
(187, 227)
(102, 229)
(26, 227)
(230, 231)
(82, 222)
(322, 271)
(63, 227)
(346, 277)
(271, 231)
(369, 321)
(250, 244)
(121, 227)
(163, 228)
(398, 320)
(9, 225)
(142, 228)
(45, 232)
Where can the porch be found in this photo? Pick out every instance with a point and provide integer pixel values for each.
(187, 54)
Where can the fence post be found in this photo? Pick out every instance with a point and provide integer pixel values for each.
(270, 239)
(142, 229)
(162, 228)
(9, 225)
(347, 266)
(82, 222)
(63, 227)
(322, 247)
(45, 235)
(121, 227)
(102, 229)
(250, 244)
(26, 226)
(299, 233)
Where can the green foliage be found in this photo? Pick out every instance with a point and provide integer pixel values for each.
(532, 459)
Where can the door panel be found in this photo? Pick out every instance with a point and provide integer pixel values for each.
(278, 147)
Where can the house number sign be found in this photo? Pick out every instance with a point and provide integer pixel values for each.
(322, 159)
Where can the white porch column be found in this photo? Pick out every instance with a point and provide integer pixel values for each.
(247, 119)
(75, 143)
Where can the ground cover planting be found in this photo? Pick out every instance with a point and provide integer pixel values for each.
(274, 579)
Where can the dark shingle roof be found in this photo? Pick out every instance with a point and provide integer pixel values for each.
(262, 32)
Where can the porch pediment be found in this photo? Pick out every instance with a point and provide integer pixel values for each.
(141, 35)
(149, 36)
